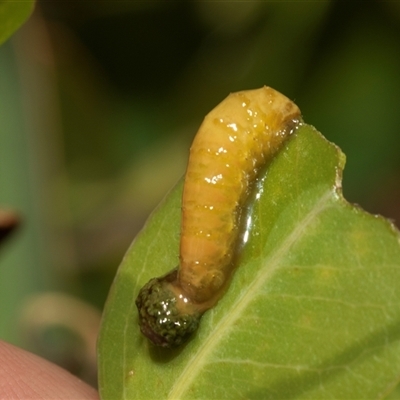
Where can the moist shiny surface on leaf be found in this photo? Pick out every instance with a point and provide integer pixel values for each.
(313, 310)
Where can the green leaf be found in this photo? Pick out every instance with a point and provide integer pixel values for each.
(12, 14)
(312, 312)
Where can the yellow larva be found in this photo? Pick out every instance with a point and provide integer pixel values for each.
(234, 141)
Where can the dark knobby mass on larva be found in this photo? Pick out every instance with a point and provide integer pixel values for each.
(234, 141)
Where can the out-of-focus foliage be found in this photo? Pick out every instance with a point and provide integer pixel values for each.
(99, 102)
(12, 15)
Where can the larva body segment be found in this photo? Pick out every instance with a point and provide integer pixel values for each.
(234, 141)
(236, 138)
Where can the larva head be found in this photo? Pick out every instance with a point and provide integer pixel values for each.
(165, 317)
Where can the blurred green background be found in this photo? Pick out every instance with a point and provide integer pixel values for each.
(99, 102)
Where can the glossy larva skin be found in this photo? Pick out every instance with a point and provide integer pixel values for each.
(235, 140)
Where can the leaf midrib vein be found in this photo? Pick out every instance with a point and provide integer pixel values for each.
(195, 365)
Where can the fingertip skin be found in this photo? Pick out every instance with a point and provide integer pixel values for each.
(24, 375)
(236, 139)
